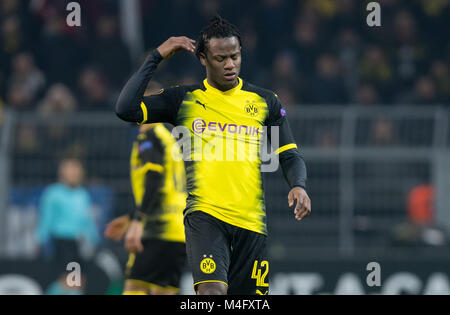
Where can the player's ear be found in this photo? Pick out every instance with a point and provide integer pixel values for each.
(202, 59)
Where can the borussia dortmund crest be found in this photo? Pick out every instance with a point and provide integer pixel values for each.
(251, 108)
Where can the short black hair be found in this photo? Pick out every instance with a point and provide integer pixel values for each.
(217, 28)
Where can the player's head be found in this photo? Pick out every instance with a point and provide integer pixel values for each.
(219, 50)
(71, 172)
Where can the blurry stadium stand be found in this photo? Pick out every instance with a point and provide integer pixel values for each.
(362, 164)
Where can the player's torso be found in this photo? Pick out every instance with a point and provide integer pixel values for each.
(223, 177)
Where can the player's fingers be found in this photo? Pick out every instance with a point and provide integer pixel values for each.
(308, 205)
(185, 43)
(290, 200)
(129, 244)
(190, 47)
(189, 40)
(299, 204)
(131, 248)
(184, 46)
(305, 211)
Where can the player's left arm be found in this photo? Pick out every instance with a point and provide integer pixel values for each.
(292, 162)
(294, 170)
(151, 171)
(151, 153)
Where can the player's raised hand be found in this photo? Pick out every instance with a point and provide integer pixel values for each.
(117, 228)
(176, 44)
(303, 204)
(133, 243)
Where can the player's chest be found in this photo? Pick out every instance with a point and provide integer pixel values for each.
(220, 110)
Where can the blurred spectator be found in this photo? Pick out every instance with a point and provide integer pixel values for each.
(375, 68)
(382, 133)
(420, 229)
(58, 100)
(410, 52)
(58, 51)
(12, 42)
(109, 52)
(65, 215)
(287, 96)
(441, 78)
(18, 97)
(326, 87)
(273, 17)
(367, 94)
(327, 139)
(9, 7)
(424, 93)
(348, 46)
(26, 74)
(12, 37)
(420, 204)
(94, 94)
(326, 8)
(284, 77)
(251, 65)
(306, 43)
(27, 140)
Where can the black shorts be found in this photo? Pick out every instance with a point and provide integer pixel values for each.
(221, 252)
(160, 265)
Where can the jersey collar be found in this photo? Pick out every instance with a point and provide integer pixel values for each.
(227, 92)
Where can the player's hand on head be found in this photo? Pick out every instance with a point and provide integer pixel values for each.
(298, 197)
(133, 243)
(176, 44)
(116, 229)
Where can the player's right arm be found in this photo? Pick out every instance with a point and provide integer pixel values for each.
(131, 105)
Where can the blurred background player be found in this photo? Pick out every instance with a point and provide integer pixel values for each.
(66, 219)
(155, 236)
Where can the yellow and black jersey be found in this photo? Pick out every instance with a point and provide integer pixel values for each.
(158, 182)
(225, 127)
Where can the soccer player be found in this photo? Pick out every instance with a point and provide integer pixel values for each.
(225, 212)
(155, 238)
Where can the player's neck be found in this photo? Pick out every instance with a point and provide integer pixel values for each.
(221, 87)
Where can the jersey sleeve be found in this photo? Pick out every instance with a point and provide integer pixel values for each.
(162, 106)
(291, 160)
(277, 118)
(133, 106)
(147, 177)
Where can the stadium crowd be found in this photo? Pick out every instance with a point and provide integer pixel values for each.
(309, 52)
